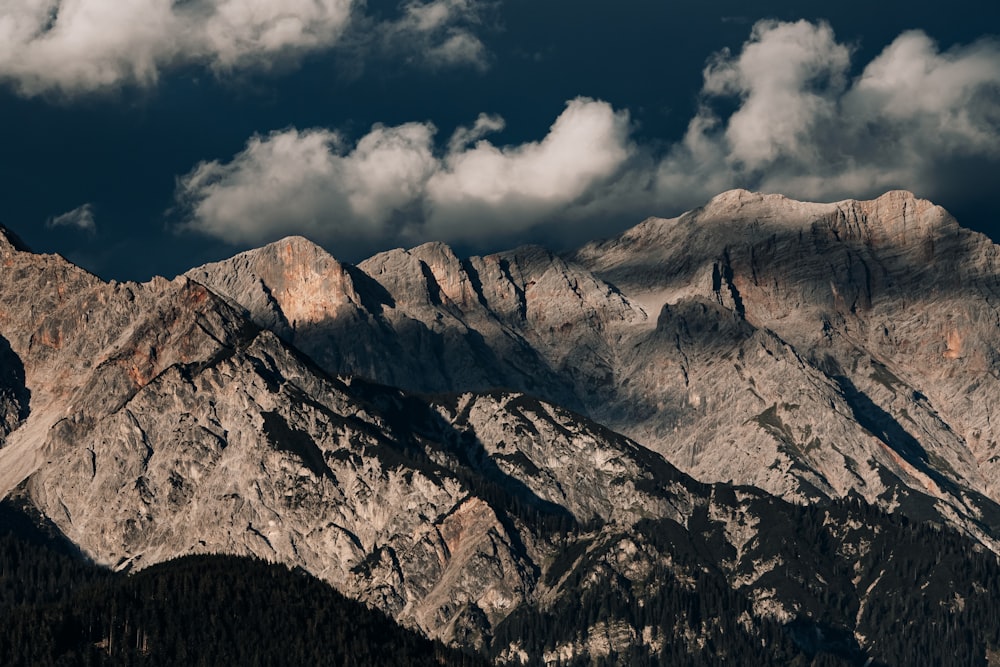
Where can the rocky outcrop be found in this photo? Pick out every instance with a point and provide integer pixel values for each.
(244, 409)
(889, 303)
(812, 350)
(163, 422)
(252, 453)
(14, 395)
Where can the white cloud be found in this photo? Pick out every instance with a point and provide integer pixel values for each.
(485, 124)
(788, 77)
(306, 182)
(391, 182)
(438, 33)
(798, 123)
(948, 98)
(83, 43)
(803, 127)
(486, 187)
(73, 46)
(81, 217)
(236, 32)
(77, 46)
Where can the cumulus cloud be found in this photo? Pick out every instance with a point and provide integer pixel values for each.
(788, 77)
(485, 124)
(784, 114)
(308, 183)
(804, 127)
(484, 187)
(81, 217)
(392, 182)
(75, 46)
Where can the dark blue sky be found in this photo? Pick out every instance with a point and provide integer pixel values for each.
(121, 148)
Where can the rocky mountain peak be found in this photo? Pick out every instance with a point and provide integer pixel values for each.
(427, 276)
(773, 308)
(11, 242)
(725, 203)
(803, 303)
(817, 352)
(742, 217)
(883, 306)
(450, 276)
(896, 218)
(284, 285)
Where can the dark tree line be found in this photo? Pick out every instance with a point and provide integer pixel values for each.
(914, 595)
(56, 609)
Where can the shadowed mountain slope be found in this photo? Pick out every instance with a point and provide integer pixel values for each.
(496, 451)
(807, 349)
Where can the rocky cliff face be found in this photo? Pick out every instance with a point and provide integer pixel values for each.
(440, 437)
(811, 350)
(163, 422)
(426, 321)
(888, 305)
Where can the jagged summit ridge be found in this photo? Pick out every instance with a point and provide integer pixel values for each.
(879, 296)
(9, 241)
(276, 404)
(285, 285)
(740, 216)
(864, 321)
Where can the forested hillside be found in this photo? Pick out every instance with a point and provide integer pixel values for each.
(918, 595)
(56, 609)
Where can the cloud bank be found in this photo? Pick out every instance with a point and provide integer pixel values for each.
(804, 128)
(391, 182)
(798, 123)
(78, 46)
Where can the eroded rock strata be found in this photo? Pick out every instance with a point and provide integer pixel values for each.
(470, 444)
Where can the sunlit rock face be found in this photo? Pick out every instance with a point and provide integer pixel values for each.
(149, 421)
(885, 312)
(812, 350)
(452, 440)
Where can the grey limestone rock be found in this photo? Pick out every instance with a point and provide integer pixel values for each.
(453, 440)
(808, 349)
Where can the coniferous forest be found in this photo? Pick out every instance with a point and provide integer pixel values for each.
(56, 609)
(934, 602)
(938, 607)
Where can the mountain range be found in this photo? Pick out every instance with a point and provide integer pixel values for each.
(760, 432)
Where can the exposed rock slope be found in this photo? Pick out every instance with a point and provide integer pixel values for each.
(163, 423)
(154, 420)
(888, 304)
(808, 349)
(426, 321)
